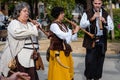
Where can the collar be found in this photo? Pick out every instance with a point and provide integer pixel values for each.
(99, 11)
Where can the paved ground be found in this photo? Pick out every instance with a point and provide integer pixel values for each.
(111, 66)
(113, 47)
(111, 69)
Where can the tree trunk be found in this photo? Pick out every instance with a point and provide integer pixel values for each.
(89, 4)
(36, 8)
(6, 8)
(111, 13)
(31, 8)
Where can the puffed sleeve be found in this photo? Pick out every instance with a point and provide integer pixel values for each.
(110, 25)
(18, 30)
(62, 35)
(84, 22)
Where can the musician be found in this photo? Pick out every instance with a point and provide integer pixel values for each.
(96, 47)
(60, 62)
(19, 44)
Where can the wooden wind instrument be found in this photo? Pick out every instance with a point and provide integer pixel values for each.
(74, 24)
(100, 22)
(39, 27)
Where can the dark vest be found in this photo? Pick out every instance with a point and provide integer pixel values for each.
(56, 43)
(87, 43)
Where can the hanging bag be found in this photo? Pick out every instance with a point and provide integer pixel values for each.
(37, 59)
(12, 63)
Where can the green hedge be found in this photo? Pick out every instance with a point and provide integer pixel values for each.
(116, 20)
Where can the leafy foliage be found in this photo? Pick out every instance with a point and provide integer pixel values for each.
(67, 4)
(116, 16)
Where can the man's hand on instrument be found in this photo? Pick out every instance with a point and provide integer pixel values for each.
(96, 15)
(103, 19)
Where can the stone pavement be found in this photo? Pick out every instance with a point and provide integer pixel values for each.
(112, 49)
(111, 70)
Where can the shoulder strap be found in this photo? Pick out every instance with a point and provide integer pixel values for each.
(33, 44)
(60, 26)
(35, 55)
(10, 48)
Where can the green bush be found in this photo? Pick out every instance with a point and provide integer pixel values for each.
(116, 20)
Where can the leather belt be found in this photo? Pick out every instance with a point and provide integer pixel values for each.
(97, 38)
(31, 48)
(30, 43)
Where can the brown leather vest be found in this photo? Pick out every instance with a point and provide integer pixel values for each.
(56, 43)
(87, 43)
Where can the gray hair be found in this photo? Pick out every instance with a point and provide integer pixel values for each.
(19, 7)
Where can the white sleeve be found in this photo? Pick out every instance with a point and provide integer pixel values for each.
(110, 25)
(84, 22)
(74, 37)
(62, 35)
(19, 31)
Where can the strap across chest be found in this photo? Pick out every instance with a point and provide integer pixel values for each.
(62, 26)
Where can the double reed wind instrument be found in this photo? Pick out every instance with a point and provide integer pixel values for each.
(88, 33)
(99, 21)
(39, 28)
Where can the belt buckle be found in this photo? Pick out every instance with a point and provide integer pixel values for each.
(97, 40)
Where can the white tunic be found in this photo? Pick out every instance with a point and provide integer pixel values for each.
(25, 54)
(17, 35)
